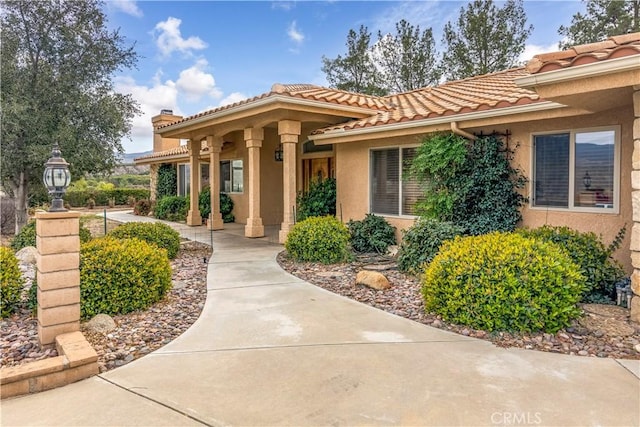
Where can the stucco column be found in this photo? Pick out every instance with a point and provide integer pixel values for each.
(289, 132)
(635, 199)
(253, 138)
(215, 147)
(58, 268)
(153, 181)
(193, 217)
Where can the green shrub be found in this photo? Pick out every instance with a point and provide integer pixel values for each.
(11, 282)
(592, 257)
(172, 208)
(204, 202)
(503, 281)
(156, 233)
(119, 196)
(421, 242)
(226, 208)
(167, 182)
(318, 200)
(318, 239)
(142, 207)
(121, 276)
(372, 234)
(27, 236)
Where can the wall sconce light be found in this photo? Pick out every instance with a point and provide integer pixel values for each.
(56, 178)
(586, 180)
(279, 154)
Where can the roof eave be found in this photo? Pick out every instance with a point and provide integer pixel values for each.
(498, 112)
(593, 69)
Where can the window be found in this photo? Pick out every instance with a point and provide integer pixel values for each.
(391, 192)
(184, 179)
(576, 170)
(231, 176)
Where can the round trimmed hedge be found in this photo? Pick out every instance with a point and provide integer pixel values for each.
(318, 239)
(121, 276)
(11, 282)
(156, 233)
(503, 282)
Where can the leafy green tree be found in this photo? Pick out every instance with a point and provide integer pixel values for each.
(484, 39)
(355, 71)
(408, 60)
(602, 19)
(57, 60)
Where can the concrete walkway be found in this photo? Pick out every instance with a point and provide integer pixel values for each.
(271, 349)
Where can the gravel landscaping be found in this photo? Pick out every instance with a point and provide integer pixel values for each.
(135, 334)
(603, 331)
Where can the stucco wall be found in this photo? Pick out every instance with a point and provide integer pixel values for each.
(352, 173)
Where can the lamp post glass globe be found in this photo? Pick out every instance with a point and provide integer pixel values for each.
(56, 178)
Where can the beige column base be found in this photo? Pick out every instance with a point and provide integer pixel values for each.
(215, 222)
(194, 218)
(254, 228)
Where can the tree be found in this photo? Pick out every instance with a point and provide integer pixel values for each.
(356, 71)
(407, 60)
(485, 39)
(57, 61)
(603, 18)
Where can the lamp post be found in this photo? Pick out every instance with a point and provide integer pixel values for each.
(56, 178)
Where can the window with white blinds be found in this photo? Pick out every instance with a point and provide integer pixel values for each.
(577, 170)
(392, 192)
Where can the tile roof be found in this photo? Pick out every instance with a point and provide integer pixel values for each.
(181, 150)
(496, 90)
(303, 91)
(613, 47)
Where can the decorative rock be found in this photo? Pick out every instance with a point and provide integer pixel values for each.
(330, 274)
(583, 353)
(635, 309)
(393, 251)
(101, 323)
(635, 282)
(27, 255)
(372, 279)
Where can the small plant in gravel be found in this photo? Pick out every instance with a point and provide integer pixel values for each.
(372, 234)
(11, 282)
(421, 242)
(158, 234)
(591, 255)
(319, 239)
(121, 276)
(503, 282)
(27, 236)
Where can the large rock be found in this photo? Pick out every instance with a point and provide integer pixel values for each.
(635, 309)
(101, 323)
(27, 255)
(372, 279)
(635, 282)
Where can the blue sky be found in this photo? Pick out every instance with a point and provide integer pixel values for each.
(197, 55)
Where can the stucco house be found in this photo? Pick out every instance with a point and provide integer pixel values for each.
(572, 116)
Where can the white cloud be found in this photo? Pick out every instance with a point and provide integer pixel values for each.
(530, 50)
(232, 98)
(423, 13)
(295, 35)
(284, 5)
(195, 83)
(159, 95)
(169, 39)
(130, 7)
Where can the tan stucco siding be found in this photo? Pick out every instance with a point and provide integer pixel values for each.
(352, 173)
(270, 180)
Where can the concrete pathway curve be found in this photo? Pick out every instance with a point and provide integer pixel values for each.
(271, 349)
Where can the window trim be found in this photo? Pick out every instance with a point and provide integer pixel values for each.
(400, 189)
(572, 171)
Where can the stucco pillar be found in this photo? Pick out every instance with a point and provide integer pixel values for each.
(635, 198)
(193, 217)
(289, 132)
(215, 147)
(58, 269)
(153, 181)
(253, 138)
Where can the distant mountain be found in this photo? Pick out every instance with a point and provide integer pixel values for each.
(127, 158)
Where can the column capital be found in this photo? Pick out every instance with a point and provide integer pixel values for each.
(214, 143)
(253, 134)
(194, 144)
(289, 127)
